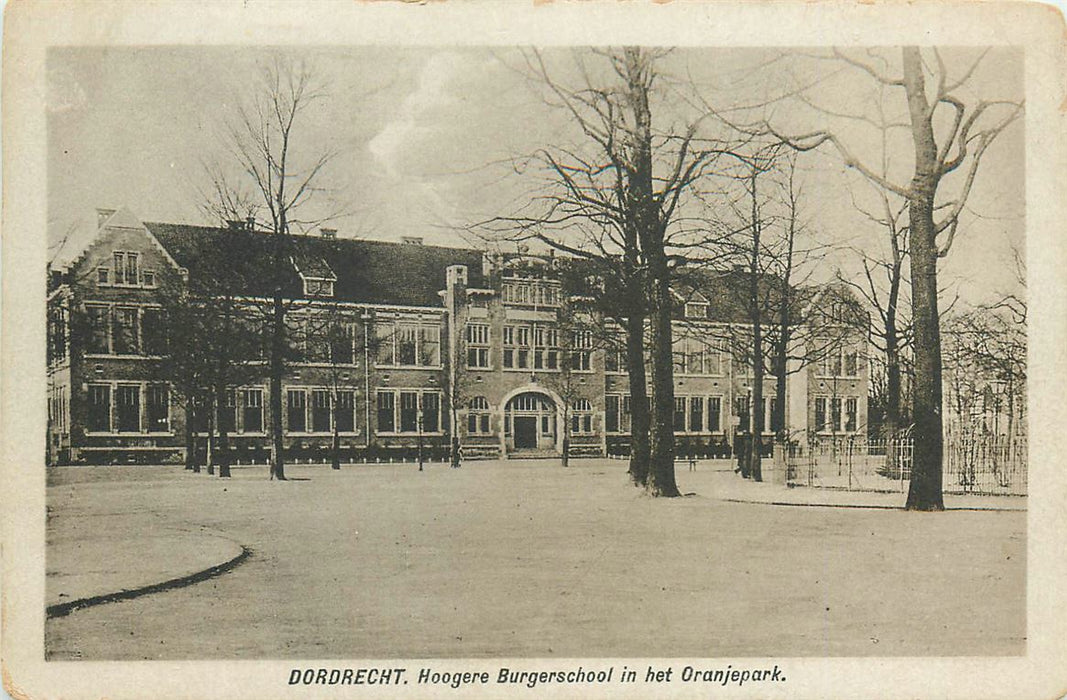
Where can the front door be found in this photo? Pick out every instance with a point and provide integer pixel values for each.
(525, 432)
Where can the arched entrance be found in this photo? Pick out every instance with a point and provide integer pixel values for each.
(531, 423)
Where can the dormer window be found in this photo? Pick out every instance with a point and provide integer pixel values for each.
(318, 287)
(695, 309)
(103, 276)
(148, 278)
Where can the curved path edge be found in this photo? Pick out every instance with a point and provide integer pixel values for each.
(867, 506)
(63, 609)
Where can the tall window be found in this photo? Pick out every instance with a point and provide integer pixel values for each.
(477, 345)
(383, 339)
(128, 408)
(581, 417)
(696, 414)
(581, 353)
(320, 411)
(386, 412)
(344, 415)
(407, 344)
(679, 414)
(478, 416)
(252, 410)
(153, 331)
(57, 334)
(714, 413)
(124, 330)
(227, 412)
(741, 411)
(296, 403)
(342, 344)
(851, 405)
(612, 409)
(409, 411)
(835, 413)
(97, 318)
(99, 408)
(127, 268)
(431, 412)
(545, 354)
(430, 346)
(158, 408)
(820, 414)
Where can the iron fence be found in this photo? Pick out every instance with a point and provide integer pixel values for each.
(975, 463)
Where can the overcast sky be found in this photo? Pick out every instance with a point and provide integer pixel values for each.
(426, 138)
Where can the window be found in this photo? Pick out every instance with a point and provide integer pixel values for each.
(840, 363)
(103, 276)
(851, 405)
(97, 318)
(99, 408)
(477, 346)
(409, 412)
(835, 414)
(406, 344)
(679, 414)
(343, 344)
(124, 331)
(409, 344)
(296, 403)
(320, 411)
(612, 406)
(850, 363)
(582, 343)
(159, 408)
(715, 413)
(581, 417)
(227, 412)
(318, 287)
(696, 414)
(741, 411)
(383, 338)
(127, 269)
(128, 408)
(478, 416)
(820, 414)
(386, 413)
(431, 412)
(517, 348)
(149, 278)
(57, 334)
(696, 310)
(252, 410)
(153, 332)
(344, 414)
(430, 346)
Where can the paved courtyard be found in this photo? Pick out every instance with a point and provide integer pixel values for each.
(521, 559)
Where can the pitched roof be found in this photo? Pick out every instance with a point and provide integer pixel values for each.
(371, 272)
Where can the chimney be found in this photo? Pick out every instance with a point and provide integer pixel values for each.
(330, 233)
(250, 223)
(103, 215)
(411, 240)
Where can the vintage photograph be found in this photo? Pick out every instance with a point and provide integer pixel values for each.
(535, 352)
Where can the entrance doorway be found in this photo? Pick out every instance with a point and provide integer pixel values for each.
(530, 424)
(525, 432)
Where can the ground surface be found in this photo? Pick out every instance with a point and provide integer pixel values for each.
(531, 560)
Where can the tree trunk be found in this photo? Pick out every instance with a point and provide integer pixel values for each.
(277, 368)
(223, 446)
(335, 448)
(639, 409)
(190, 436)
(925, 492)
(892, 403)
(755, 411)
(209, 455)
(661, 480)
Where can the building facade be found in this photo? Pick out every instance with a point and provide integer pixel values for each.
(397, 347)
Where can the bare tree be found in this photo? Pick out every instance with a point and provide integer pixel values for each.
(942, 145)
(618, 198)
(262, 144)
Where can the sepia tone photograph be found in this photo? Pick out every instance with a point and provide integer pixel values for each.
(577, 354)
